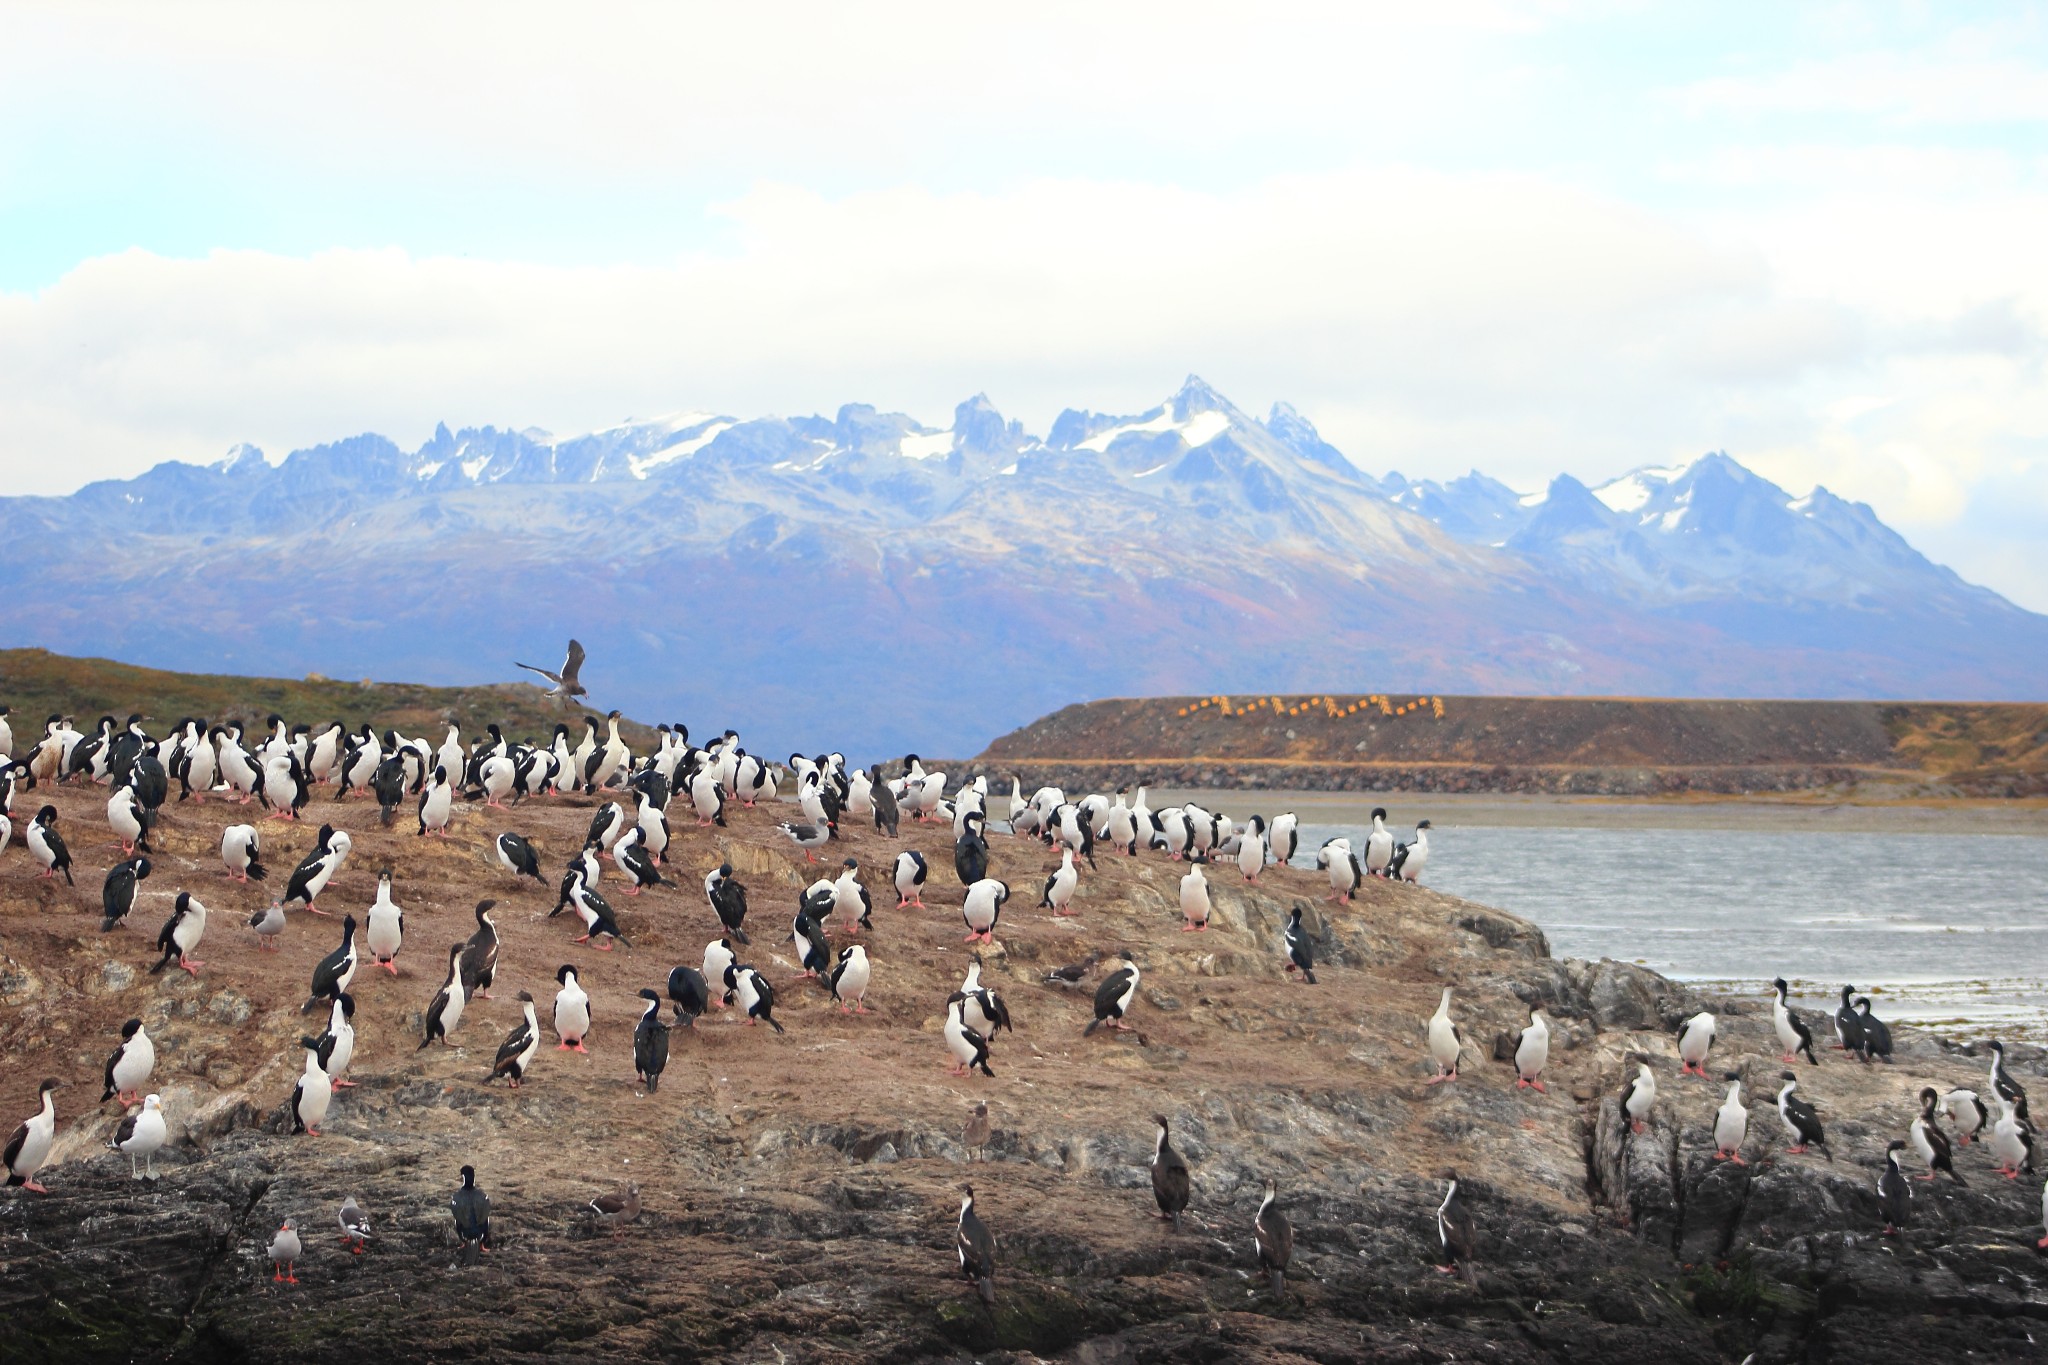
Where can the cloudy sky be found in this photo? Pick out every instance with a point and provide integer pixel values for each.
(1527, 238)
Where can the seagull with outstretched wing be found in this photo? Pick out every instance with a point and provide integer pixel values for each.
(565, 683)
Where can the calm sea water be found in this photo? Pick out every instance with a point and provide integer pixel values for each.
(1950, 930)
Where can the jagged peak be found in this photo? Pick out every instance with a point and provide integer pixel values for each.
(241, 458)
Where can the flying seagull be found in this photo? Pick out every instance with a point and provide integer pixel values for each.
(565, 684)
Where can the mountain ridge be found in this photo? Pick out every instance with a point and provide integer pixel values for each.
(801, 570)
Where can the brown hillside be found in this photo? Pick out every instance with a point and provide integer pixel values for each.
(1623, 745)
(37, 683)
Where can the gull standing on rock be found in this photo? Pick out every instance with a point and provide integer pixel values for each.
(142, 1135)
(284, 1253)
(355, 1226)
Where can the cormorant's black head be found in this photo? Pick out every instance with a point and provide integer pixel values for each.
(646, 994)
(468, 1176)
(1895, 1145)
(1787, 1076)
(131, 1028)
(564, 972)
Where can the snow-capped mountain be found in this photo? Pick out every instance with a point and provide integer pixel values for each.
(872, 582)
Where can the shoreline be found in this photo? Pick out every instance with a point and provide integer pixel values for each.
(2017, 817)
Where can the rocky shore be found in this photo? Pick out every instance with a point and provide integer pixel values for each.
(800, 1190)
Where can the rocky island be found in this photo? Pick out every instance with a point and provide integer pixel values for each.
(798, 1191)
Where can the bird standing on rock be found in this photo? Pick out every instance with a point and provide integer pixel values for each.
(968, 1046)
(444, 1012)
(1170, 1182)
(850, 980)
(47, 845)
(117, 893)
(310, 1097)
(1894, 1191)
(1731, 1123)
(335, 971)
(983, 907)
(1929, 1143)
(1115, 996)
(1800, 1120)
(976, 1248)
(515, 1054)
(2012, 1142)
(284, 1253)
(1532, 1052)
(472, 1210)
(1273, 1239)
(614, 1211)
(910, 872)
(517, 856)
(1454, 1229)
(142, 1134)
(1695, 1041)
(1301, 948)
(1446, 1044)
(572, 1010)
(1639, 1096)
(756, 997)
(317, 869)
(1793, 1034)
(131, 1064)
(480, 954)
(30, 1146)
(355, 1226)
(650, 1043)
(181, 934)
(1194, 901)
(384, 935)
(240, 850)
